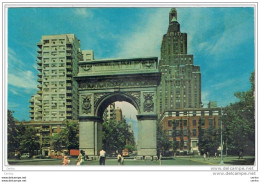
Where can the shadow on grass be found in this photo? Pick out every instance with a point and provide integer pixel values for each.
(244, 161)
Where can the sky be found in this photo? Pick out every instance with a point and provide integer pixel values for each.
(221, 40)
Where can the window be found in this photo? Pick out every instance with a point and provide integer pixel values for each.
(169, 122)
(185, 132)
(184, 122)
(177, 122)
(177, 132)
(46, 41)
(169, 132)
(202, 122)
(185, 143)
(194, 132)
(194, 122)
(210, 122)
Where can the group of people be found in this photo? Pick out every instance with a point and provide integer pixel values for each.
(102, 158)
(80, 159)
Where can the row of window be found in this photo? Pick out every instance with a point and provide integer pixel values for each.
(177, 133)
(178, 123)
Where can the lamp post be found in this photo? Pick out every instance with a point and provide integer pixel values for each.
(221, 155)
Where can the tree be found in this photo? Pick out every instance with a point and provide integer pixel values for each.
(163, 143)
(73, 137)
(209, 139)
(239, 122)
(116, 135)
(12, 135)
(67, 138)
(60, 140)
(29, 141)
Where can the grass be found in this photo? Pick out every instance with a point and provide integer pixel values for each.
(186, 161)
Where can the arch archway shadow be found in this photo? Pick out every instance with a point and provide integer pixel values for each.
(104, 82)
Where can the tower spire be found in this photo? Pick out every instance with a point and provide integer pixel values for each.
(173, 15)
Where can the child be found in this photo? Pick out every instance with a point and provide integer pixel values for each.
(66, 160)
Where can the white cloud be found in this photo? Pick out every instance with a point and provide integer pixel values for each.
(145, 41)
(22, 79)
(18, 74)
(83, 12)
(12, 58)
(12, 105)
(14, 92)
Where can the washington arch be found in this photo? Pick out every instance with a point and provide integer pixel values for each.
(102, 82)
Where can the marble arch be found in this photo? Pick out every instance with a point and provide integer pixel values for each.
(102, 82)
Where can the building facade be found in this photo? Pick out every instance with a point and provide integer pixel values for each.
(179, 93)
(57, 98)
(182, 126)
(113, 113)
(180, 85)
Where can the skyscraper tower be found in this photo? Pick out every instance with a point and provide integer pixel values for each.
(180, 85)
(57, 98)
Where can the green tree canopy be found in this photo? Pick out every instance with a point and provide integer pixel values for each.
(239, 122)
(163, 143)
(116, 136)
(29, 141)
(67, 138)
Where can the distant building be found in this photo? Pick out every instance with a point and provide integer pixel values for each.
(113, 113)
(88, 55)
(212, 104)
(119, 115)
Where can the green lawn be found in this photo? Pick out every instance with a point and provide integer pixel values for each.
(131, 162)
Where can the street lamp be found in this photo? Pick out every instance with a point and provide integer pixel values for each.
(221, 155)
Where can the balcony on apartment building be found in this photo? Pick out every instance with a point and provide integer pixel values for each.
(39, 50)
(39, 62)
(39, 44)
(39, 56)
(39, 80)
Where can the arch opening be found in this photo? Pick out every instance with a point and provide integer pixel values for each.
(117, 97)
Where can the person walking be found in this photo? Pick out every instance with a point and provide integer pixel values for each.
(81, 158)
(120, 159)
(102, 157)
(204, 156)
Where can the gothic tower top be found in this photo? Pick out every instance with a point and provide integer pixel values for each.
(174, 25)
(173, 15)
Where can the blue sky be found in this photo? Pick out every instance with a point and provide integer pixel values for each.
(221, 40)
